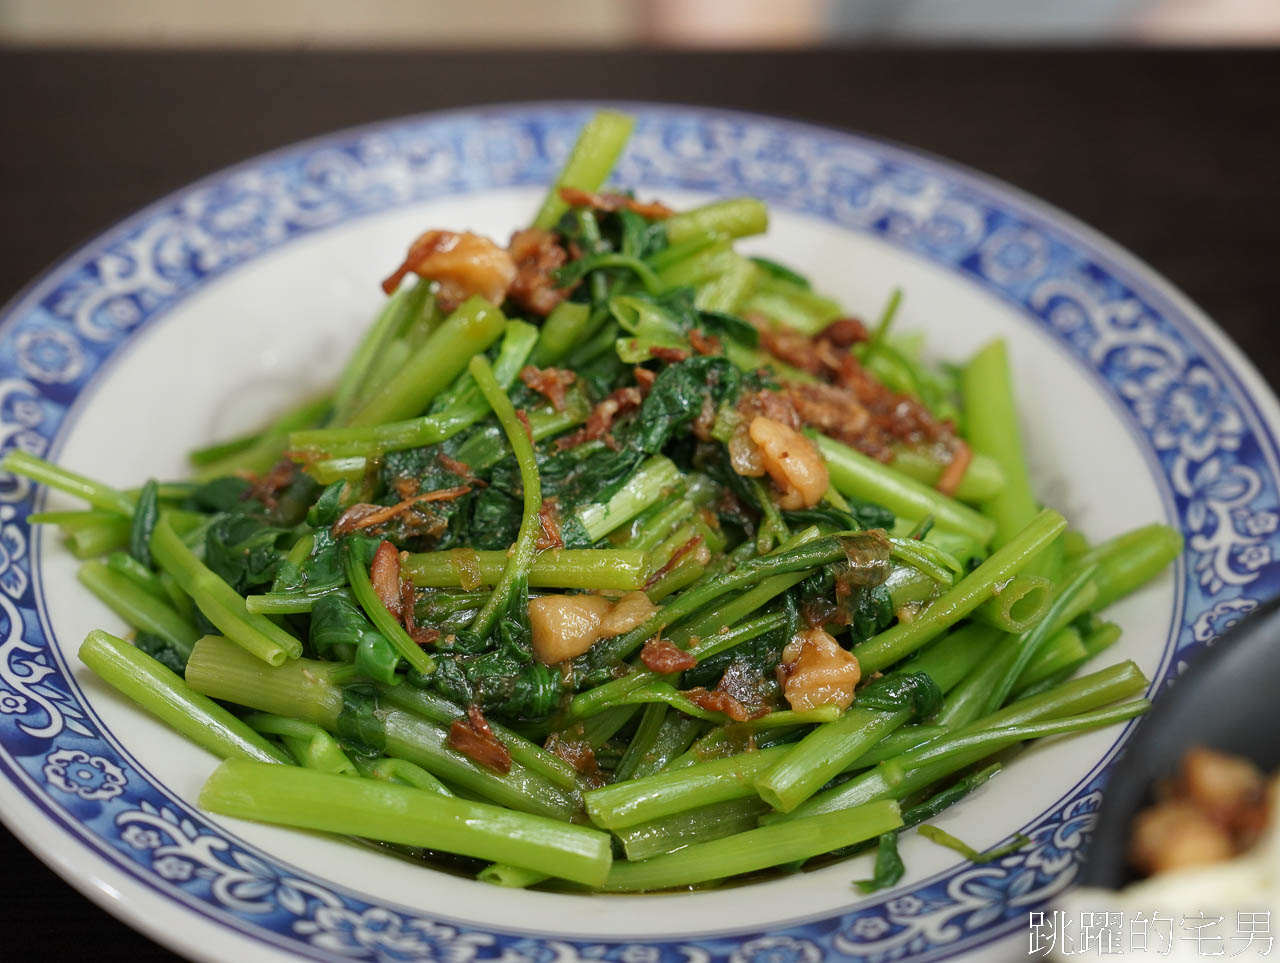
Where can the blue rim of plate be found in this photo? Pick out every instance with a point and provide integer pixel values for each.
(1198, 412)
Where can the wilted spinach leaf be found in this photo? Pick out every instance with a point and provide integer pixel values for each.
(495, 519)
(676, 398)
(758, 657)
(145, 514)
(860, 515)
(221, 495)
(161, 651)
(602, 374)
(324, 565)
(889, 868)
(869, 610)
(915, 691)
(241, 549)
(499, 674)
(637, 236)
(574, 480)
(729, 326)
(358, 722)
(336, 621)
(327, 507)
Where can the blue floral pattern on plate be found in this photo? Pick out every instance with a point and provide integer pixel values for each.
(1198, 423)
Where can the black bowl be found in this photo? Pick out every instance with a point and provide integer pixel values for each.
(1228, 699)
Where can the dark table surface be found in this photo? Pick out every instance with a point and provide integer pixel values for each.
(1175, 155)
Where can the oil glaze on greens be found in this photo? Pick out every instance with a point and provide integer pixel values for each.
(354, 581)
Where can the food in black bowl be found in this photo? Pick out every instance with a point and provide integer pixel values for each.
(1216, 807)
(1187, 831)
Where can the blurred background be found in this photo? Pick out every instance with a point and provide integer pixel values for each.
(620, 23)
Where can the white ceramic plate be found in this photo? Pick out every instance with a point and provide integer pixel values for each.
(222, 302)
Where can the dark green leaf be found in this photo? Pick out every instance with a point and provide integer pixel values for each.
(530, 693)
(221, 495)
(423, 465)
(867, 612)
(145, 514)
(502, 681)
(241, 549)
(915, 691)
(288, 577)
(498, 673)
(358, 722)
(889, 868)
(161, 651)
(327, 507)
(792, 607)
(585, 474)
(324, 565)
(575, 271)
(363, 547)
(676, 398)
(861, 515)
(573, 533)
(623, 231)
(449, 679)
(445, 524)
(495, 519)
(947, 797)
(448, 610)
(639, 237)
(756, 658)
(596, 666)
(729, 326)
(336, 621)
(602, 374)
(774, 269)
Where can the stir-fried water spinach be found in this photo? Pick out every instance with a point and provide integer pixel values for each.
(615, 558)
